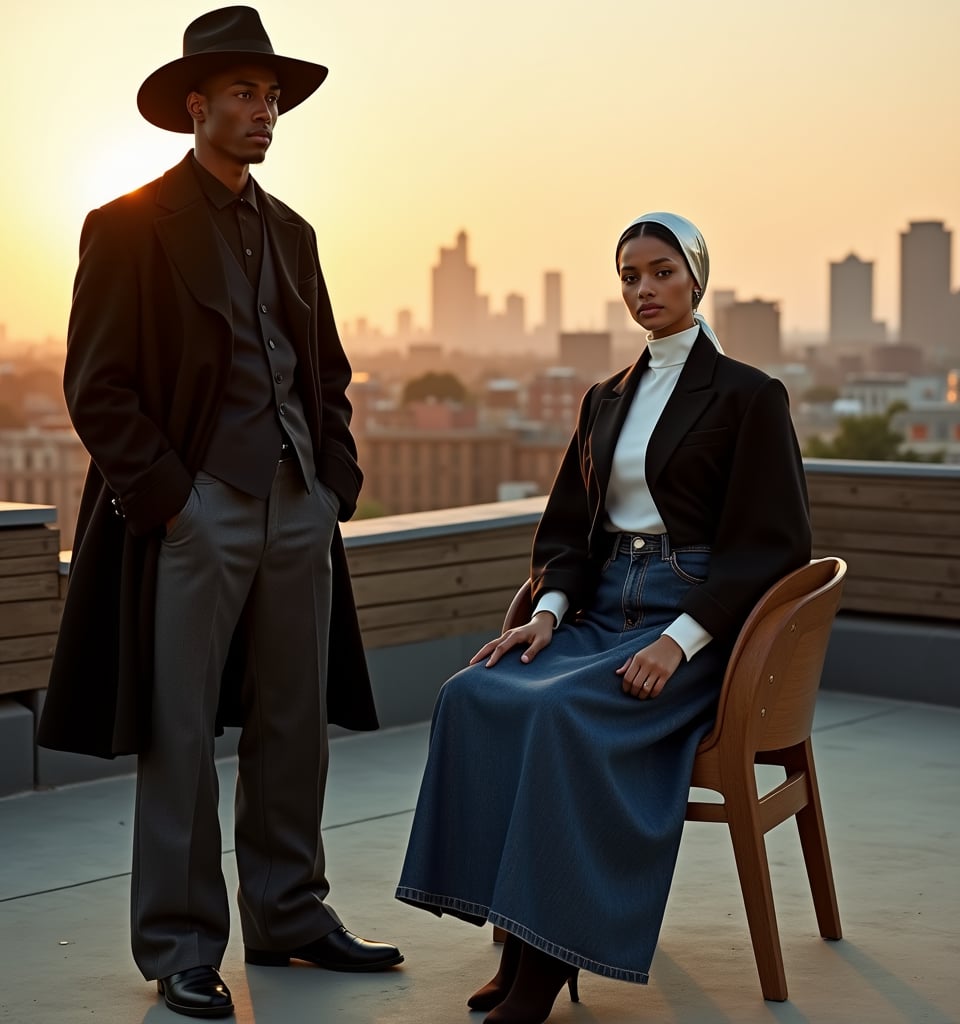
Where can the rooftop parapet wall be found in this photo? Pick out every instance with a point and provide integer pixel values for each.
(897, 524)
(432, 586)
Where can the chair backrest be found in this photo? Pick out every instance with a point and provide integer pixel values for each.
(521, 607)
(770, 687)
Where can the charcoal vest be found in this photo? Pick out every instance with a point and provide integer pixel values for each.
(261, 408)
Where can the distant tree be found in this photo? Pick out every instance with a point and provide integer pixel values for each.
(442, 386)
(820, 394)
(369, 509)
(871, 438)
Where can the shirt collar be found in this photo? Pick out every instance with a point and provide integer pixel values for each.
(672, 350)
(218, 193)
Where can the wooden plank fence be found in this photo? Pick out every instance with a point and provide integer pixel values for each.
(29, 598)
(453, 571)
(898, 527)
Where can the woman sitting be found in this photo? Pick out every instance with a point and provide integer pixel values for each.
(559, 766)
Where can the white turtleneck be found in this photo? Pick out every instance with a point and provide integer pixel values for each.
(630, 506)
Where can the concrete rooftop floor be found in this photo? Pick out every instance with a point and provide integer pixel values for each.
(889, 779)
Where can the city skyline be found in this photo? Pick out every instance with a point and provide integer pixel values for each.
(789, 136)
(462, 315)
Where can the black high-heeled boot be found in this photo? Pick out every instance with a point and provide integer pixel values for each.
(496, 989)
(535, 988)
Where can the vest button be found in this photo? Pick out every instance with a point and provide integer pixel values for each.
(283, 409)
(249, 252)
(271, 343)
(263, 307)
(278, 377)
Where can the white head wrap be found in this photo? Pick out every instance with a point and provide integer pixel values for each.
(690, 242)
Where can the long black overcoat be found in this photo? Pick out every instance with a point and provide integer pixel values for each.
(148, 352)
(723, 467)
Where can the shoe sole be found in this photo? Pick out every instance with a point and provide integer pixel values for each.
(264, 958)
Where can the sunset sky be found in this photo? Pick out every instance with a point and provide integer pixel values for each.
(790, 133)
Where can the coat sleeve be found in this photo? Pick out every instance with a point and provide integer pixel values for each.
(338, 466)
(100, 373)
(561, 556)
(764, 527)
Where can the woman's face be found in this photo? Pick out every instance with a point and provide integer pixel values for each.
(657, 286)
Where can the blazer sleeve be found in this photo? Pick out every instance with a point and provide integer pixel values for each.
(99, 380)
(561, 555)
(764, 526)
(338, 466)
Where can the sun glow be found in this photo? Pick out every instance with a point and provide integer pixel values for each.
(121, 167)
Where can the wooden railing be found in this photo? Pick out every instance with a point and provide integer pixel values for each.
(897, 525)
(29, 595)
(428, 575)
(431, 575)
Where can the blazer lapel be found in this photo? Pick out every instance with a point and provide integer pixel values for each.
(691, 396)
(188, 239)
(607, 424)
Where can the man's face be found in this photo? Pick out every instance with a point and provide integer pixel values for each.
(234, 114)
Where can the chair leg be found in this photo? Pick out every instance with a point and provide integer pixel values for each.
(816, 855)
(750, 852)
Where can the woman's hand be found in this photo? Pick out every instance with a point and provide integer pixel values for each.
(537, 634)
(648, 671)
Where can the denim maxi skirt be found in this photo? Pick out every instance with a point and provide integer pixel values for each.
(552, 803)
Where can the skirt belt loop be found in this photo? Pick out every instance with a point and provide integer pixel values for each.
(615, 550)
(665, 547)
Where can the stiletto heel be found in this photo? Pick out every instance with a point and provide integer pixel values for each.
(573, 984)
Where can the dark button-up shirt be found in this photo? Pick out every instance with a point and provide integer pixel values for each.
(237, 218)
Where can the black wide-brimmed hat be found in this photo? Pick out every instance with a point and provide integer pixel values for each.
(213, 43)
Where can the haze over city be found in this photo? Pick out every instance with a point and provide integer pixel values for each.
(790, 135)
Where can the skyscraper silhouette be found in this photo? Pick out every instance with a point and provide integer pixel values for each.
(552, 303)
(851, 302)
(925, 287)
(456, 306)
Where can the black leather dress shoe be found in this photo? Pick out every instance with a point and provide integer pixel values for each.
(196, 992)
(339, 951)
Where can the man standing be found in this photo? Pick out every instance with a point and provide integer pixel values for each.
(205, 376)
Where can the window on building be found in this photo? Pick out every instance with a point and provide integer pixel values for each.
(919, 432)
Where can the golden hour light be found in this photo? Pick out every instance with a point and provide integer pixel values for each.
(562, 396)
(790, 138)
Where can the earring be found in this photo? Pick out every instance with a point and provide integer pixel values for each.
(697, 296)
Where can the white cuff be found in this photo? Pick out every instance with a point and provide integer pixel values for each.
(688, 634)
(555, 602)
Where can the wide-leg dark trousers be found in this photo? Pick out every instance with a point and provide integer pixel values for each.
(232, 561)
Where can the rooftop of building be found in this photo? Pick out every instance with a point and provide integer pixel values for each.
(888, 772)
(888, 775)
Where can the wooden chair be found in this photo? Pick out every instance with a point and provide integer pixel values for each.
(765, 716)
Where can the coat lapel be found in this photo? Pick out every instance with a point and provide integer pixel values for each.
(188, 238)
(604, 431)
(691, 396)
(286, 241)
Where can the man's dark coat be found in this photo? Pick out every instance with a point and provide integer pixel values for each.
(148, 353)
(723, 468)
